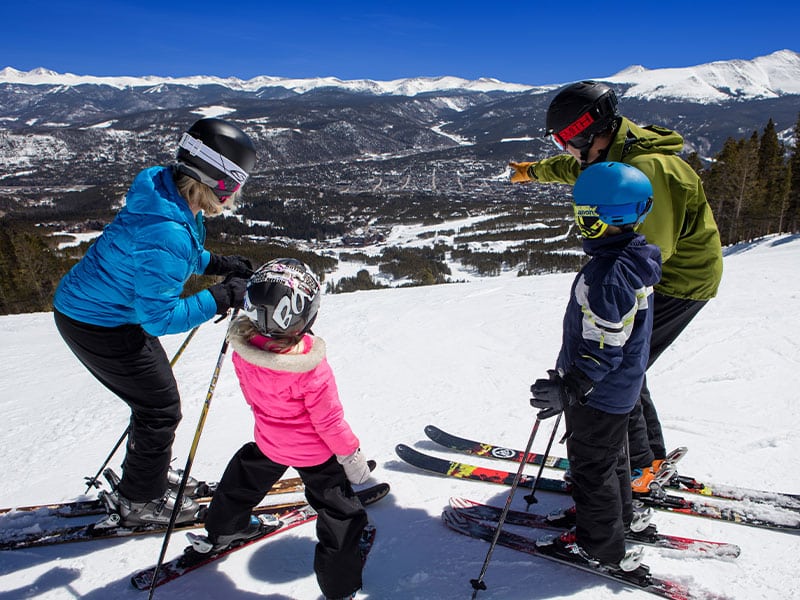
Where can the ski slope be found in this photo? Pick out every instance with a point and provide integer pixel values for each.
(459, 356)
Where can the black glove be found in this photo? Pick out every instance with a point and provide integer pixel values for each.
(229, 265)
(229, 294)
(554, 394)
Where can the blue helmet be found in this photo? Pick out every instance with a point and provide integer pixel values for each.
(611, 193)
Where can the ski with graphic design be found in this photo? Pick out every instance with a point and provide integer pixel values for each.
(190, 559)
(641, 578)
(649, 536)
(677, 482)
(754, 515)
(98, 531)
(465, 471)
(95, 506)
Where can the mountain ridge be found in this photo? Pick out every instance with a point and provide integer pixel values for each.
(767, 76)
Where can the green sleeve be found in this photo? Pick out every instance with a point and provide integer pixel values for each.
(558, 169)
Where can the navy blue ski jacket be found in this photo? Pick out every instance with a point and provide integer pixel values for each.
(609, 319)
(135, 271)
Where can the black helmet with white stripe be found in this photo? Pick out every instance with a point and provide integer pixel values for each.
(217, 153)
(285, 294)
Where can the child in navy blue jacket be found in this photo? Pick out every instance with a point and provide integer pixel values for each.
(603, 358)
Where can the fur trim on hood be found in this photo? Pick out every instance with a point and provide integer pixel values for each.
(292, 363)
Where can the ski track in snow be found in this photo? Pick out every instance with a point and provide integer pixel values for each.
(459, 356)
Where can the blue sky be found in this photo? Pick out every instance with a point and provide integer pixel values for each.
(519, 42)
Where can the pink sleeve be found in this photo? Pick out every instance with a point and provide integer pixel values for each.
(326, 411)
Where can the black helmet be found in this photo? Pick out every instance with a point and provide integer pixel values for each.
(285, 295)
(218, 154)
(579, 112)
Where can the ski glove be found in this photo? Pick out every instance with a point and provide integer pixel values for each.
(554, 394)
(522, 172)
(229, 293)
(355, 466)
(229, 265)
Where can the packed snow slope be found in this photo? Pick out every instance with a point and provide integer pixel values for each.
(459, 356)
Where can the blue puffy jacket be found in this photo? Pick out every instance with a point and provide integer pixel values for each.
(609, 319)
(135, 271)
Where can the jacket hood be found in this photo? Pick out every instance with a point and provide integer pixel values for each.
(153, 192)
(291, 363)
(632, 139)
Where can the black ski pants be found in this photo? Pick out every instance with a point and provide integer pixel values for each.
(133, 365)
(342, 518)
(601, 480)
(670, 318)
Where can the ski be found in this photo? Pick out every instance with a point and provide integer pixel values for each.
(464, 471)
(677, 482)
(95, 506)
(190, 559)
(751, 514)
(96, 531)
(640, 579)
(649, 536)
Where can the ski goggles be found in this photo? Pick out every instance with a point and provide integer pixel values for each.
(575, 133)
(589, 224)
(224, 188)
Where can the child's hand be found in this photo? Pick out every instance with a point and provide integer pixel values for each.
(355, 466)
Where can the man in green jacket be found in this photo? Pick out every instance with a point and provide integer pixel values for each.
(584, 121)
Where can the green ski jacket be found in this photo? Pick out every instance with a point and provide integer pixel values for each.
(681, 223)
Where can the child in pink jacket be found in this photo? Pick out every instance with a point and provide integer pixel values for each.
(299, 422)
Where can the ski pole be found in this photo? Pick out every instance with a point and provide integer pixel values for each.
(190, 459)
(531, 498)
(478, 584)
(92, 481)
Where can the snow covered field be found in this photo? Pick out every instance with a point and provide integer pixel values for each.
(459, 356)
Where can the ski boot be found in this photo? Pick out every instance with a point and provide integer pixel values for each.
(642, 515)
(565, 546)
(256, 527)
(127, 513)
(652, 479)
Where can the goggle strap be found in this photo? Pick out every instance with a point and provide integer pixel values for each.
(197, 148)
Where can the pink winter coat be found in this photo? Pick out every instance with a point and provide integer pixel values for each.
(299, 420)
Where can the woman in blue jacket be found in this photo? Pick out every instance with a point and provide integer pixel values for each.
(126, 291)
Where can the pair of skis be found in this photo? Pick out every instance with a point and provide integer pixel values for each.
(755, 510)
(190, 559)
(677, 482)
(463, 520)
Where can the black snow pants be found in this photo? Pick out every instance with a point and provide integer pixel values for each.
(601, 480)
(342, 518)
(133, 365)
(645, 438)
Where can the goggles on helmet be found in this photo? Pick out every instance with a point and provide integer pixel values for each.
(222, 188)
(575, 133)
(588, 222)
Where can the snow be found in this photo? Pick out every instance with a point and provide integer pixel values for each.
(459, 356)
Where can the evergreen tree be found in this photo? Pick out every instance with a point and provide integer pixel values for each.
(765, 215)
(791, 219)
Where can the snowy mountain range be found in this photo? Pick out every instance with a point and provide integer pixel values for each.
(770, 76)
(65, 131)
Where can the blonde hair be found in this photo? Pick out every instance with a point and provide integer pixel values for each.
(201, 196)
(243, 326)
